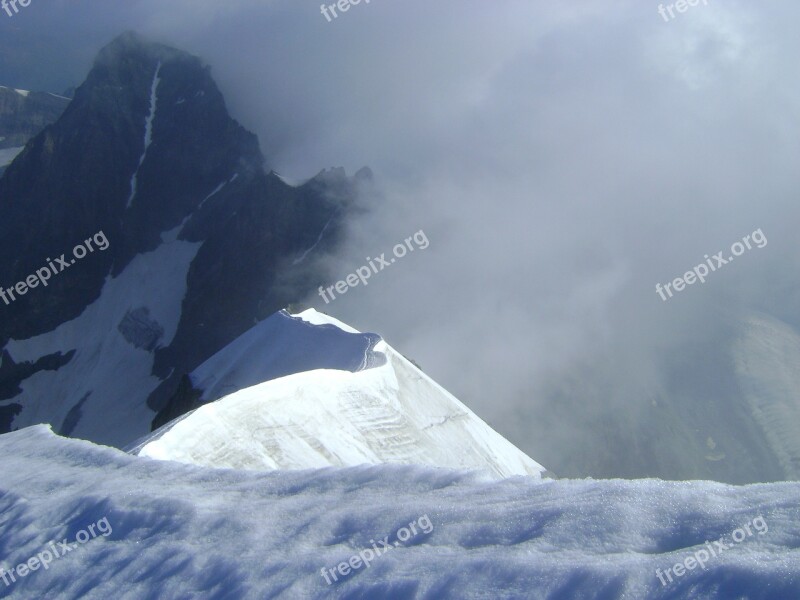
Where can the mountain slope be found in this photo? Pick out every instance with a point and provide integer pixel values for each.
(331, 397)
(202, 244)
(767, 357)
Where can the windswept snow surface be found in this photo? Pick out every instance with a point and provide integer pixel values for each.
(183, 531)
(368, 406)
(282, 345)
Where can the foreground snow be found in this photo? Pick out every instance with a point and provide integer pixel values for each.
(182, 531)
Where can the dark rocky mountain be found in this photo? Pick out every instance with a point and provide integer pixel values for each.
(203, 242)
(23, 114)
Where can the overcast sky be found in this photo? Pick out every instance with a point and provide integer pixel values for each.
(562, 159)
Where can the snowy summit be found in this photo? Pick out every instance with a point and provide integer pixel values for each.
(312, 392)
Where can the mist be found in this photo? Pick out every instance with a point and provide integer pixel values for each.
(561, 161)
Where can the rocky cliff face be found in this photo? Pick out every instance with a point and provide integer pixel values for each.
(204, 241)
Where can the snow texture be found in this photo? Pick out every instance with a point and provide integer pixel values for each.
(368, 405)
(183, 531)
(283, 345)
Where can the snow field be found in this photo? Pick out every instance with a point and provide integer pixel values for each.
(183, 531)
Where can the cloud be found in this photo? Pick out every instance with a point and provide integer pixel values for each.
(562, 160)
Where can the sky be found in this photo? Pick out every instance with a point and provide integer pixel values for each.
(561, 158)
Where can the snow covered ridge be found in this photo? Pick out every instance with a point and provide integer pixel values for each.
(376, 411)
(182, 531)
(282, 345)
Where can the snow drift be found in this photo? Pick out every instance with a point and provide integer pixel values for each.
(183, 531)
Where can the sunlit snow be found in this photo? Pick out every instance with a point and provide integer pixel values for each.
(330, 397)
(183, 531)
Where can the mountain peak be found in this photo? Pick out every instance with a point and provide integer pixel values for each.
(308, 391)
(148, 154)
(132, 44)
